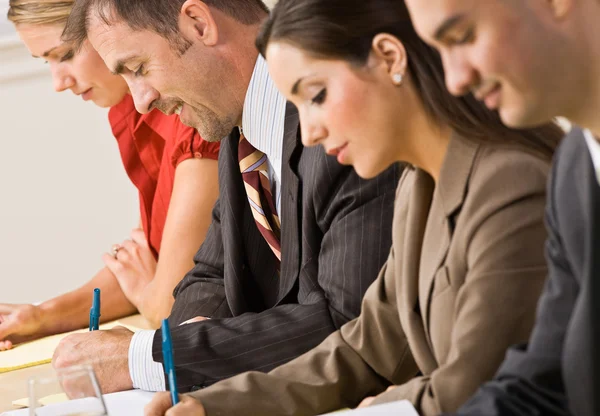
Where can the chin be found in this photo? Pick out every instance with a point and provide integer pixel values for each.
(368, 171)
(524, 116)
(104, 102)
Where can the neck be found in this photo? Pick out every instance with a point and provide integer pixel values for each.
(428, 145)
(585, 105)
(242, 59)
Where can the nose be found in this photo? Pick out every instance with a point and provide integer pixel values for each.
(143, 94)
(461, 77)
(313, 131)
(61, 77)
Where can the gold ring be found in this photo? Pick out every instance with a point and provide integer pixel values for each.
(115, 249)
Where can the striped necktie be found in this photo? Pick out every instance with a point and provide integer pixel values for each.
(254, 168)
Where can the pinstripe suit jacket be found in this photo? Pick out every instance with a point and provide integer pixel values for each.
(335, 237)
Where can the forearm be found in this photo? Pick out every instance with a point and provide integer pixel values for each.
(70, 311)
(208, 351)
(328, 377)
(194, 194)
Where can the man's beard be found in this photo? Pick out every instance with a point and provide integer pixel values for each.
(211, 127)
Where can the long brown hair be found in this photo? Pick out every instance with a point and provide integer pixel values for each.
(344, 29)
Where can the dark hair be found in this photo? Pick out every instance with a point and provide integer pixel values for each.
(159, 16)
(344, 29)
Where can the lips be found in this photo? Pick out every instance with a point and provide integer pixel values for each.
(86, 95)
(489, 95)
(339, 152)
(336, 150)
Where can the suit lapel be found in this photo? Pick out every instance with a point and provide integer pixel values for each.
(291, 221)
(448, 198)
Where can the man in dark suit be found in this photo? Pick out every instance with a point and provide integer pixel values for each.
(513, 54)
(291, 250)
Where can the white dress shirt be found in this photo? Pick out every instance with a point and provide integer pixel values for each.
(594, 147)
(263, 120)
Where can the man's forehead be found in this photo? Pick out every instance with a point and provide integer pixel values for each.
(428, 16)
(111, 40)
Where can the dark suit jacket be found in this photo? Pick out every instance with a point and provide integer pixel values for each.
(335, 237)
(552, 375)
(460, 286)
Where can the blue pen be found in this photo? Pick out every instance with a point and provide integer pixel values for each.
(95, 311)
(167, 349)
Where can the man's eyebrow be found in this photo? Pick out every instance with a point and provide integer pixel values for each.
(48, 52)
(447, 25)
(120, 65)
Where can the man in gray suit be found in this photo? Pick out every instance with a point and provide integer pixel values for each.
(534, 60)
(291, 250)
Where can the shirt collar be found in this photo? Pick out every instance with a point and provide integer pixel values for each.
(594, 148)
(263, 115)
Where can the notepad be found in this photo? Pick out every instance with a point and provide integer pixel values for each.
(125, 403)
(44, 401)
(399, 408)
(41, 351)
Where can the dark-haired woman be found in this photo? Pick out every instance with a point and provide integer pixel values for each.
(466, 267)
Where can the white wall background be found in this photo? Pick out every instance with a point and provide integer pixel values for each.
(64, 195)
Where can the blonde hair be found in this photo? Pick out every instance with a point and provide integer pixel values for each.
(39, 12)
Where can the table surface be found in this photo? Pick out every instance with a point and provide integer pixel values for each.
(13, 385)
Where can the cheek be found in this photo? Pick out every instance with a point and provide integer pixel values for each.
(345, 111)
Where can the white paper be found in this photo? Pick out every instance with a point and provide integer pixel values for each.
(125, 403)
(400, 408)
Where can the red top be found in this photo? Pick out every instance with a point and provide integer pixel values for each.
(151, 146)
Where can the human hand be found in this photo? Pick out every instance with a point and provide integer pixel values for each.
(134, 266)
(161, 405)
(19, 323)
(106, 351)
(367, 401)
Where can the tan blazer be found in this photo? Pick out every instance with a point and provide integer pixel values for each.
(460, 285)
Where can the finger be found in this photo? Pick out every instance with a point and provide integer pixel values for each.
(130, 249)
(159, 404)
(111, 262)
(180, 409)
(5, 345)
(7, 308)
(196, 319)
(139, 236)
(129, 245)
(366, 402)
(8, 327)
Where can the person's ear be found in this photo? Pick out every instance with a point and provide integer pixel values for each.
(196, 21)
(388, 51)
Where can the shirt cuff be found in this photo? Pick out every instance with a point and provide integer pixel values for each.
(145, 373)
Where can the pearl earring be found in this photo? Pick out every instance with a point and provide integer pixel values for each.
(397, 78)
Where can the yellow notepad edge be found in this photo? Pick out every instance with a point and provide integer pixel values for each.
(19, 367)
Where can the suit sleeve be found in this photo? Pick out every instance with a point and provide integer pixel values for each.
(332, 376)
(326, 296)
(529, 382)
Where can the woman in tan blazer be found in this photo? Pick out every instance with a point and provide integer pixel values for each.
(466, 267)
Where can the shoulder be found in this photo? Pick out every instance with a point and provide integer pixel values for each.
(505, 171)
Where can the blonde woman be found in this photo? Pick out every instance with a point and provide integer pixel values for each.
(173, 168)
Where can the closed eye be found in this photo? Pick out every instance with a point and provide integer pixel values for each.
(67, 56)
(320, 97)
(467, 37)
(140, 71)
